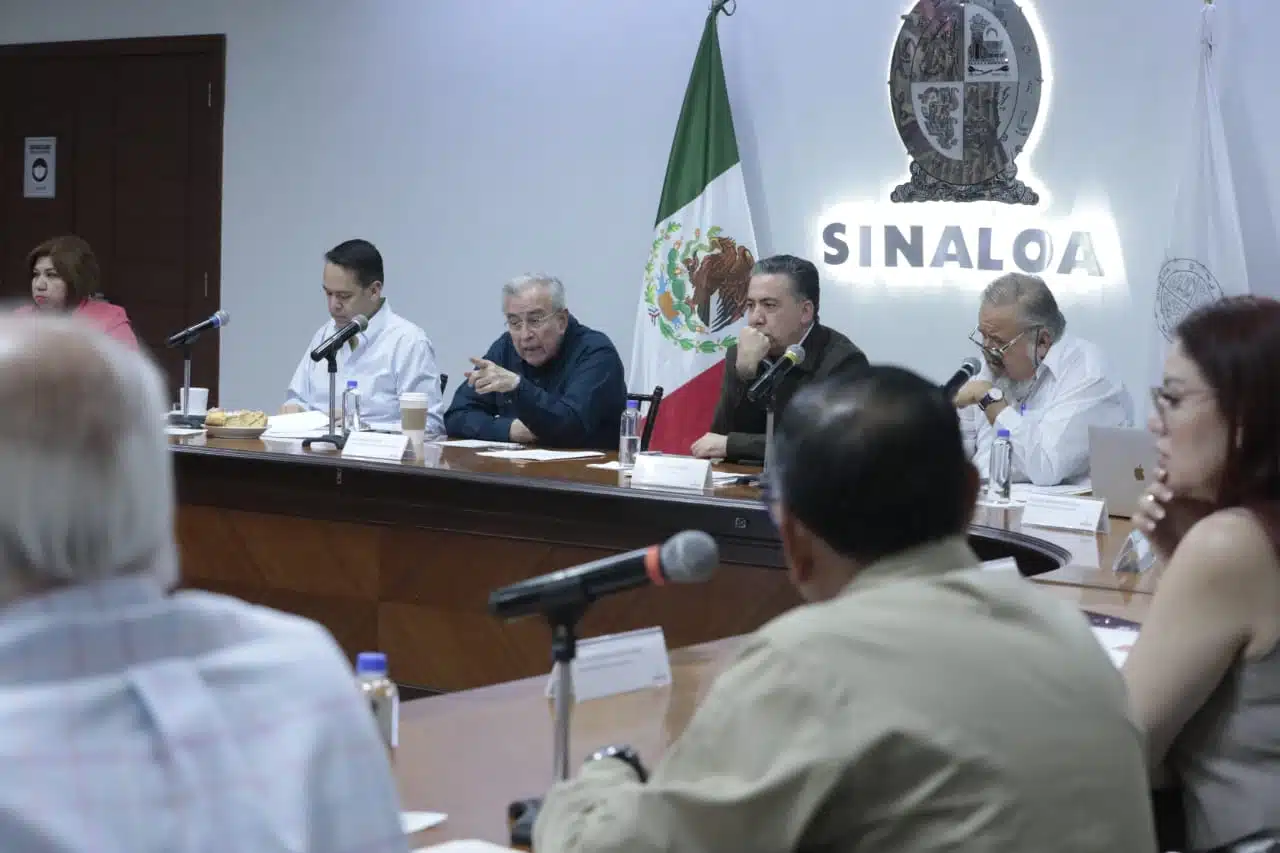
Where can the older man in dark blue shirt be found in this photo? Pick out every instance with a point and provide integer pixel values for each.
(550, 381)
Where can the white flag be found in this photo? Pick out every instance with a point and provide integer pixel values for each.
(1204, 258)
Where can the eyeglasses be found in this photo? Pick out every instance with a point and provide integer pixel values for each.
(533, 321)
(997, 353)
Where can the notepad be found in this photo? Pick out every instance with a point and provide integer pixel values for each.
(476, 444)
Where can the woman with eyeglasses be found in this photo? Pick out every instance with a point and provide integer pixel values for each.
(1204, 675)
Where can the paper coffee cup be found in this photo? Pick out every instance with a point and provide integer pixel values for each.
(413, 414)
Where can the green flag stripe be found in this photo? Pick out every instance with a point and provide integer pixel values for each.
(705, 145)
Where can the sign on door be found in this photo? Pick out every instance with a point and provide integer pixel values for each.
(41, 162)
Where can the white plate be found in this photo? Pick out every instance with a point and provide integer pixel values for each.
(234, 432)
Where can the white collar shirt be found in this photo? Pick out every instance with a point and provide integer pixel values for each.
(1049, 429)
(388, 358)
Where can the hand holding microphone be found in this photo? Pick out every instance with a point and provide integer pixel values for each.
(969, 368)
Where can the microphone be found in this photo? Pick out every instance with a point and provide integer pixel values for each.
(219, 319)
(690, 556)
(357, 325)
(793, 356)
(968, 369)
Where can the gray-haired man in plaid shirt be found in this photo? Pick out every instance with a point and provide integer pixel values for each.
(133, 718)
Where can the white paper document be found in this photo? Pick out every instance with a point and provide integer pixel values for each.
(539, 455)
(476, 444)
(297, 425)
(417, 821)
(1117, 642)
(182, 431)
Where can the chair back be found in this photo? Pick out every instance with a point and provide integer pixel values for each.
(650, 403)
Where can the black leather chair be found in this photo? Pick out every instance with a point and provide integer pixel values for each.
(650, 403)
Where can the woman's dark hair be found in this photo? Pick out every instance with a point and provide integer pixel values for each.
(1235, 343)
(75, 263)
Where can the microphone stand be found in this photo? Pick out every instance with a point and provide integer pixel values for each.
(185, 418)
(522, 814)
(335, 436)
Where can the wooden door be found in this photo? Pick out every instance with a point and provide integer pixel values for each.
(138, 124)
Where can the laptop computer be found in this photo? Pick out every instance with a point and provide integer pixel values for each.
(1122, 464)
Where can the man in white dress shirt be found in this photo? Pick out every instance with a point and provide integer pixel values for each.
(390, 357)
(1043, 385)
(134, 718)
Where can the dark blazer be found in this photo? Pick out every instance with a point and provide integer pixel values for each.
(575, 400)
(827, 353)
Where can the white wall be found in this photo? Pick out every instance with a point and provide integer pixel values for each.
(473, 141)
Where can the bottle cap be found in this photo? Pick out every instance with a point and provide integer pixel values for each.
(372, 662)
(1002, 433)
(633, 404)
(351, 383)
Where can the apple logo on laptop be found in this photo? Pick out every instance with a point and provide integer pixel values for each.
(1139, 474)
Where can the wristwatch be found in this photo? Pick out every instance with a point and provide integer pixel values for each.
(623, 753)
(995, 395)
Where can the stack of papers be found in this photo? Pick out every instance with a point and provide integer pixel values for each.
(538, 455)
(477, 444)
(297, 426)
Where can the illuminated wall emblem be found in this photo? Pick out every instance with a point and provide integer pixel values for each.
(964, 87)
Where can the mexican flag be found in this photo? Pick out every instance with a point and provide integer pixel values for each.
(695, 283)
(1204, 257)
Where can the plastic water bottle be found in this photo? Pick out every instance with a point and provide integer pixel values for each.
(382, 695)
(1000, 480)
(629, 436)
(351, 408)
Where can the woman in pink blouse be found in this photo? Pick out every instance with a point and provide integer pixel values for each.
(65, 277)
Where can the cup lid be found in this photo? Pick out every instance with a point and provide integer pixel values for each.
(413, 397)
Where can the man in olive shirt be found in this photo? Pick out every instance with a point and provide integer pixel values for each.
(782, 309)
(918, 704)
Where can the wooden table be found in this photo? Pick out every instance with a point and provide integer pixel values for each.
(471, 753)
(401, 557)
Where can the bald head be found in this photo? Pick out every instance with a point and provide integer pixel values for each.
(88, 488)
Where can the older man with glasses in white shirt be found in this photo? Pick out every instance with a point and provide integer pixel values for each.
(133, 717)
(1045, 386)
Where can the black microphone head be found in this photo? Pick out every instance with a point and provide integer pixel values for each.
(360, 321)
(795, 353)
(971, 366)
(690, 556)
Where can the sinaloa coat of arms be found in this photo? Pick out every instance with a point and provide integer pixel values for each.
(695, 289)
(964, 88)
(1184, 285)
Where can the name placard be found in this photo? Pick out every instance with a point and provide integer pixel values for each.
(672, 472)
(1082, 515)
(617, 663)
(383, 446)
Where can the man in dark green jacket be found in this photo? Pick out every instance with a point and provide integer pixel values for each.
(782, 309)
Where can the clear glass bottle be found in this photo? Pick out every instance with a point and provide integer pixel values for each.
(351, 421)
(382, 695)
(1000, 477)
(629, 436)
